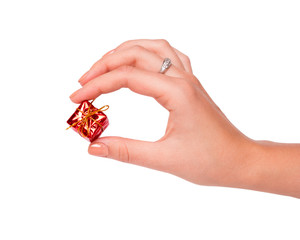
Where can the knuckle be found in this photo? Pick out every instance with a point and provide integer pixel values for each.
(128, 42)
(125, 69)
(123, 153)
(137, 49)
(163, 42)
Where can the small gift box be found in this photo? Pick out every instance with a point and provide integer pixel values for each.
(89, 121)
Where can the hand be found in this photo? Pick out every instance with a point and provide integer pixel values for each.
(206, 149)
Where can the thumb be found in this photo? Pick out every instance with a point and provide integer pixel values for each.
(127, 150)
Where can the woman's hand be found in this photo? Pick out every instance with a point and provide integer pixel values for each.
(206, 150)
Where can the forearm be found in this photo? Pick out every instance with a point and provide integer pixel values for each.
(274, 167)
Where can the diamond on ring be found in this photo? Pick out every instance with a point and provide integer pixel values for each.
(165, 65)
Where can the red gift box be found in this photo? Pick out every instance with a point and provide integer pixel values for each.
(89, 121)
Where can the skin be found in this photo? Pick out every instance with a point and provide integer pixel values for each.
(208, 149)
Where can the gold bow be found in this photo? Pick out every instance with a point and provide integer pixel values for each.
(83, 123)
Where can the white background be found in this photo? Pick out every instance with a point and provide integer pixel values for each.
(245, 53)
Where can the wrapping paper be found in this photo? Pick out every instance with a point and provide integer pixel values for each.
(89, 121)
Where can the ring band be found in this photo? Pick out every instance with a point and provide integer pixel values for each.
(165, 65)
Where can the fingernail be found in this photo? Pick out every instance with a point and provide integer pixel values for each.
(83, 76)
(110, 52)
(74, 93)
(98, 149)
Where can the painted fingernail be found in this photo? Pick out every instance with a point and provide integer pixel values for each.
(74, 93)
(98, 149)
(83, 76)
(110, 52)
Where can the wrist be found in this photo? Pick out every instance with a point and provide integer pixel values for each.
(237, 166)
(245, 172)
(251, 161)
(269, 167)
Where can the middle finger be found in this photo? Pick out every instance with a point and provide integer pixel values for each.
(159, 46)
(135, 56)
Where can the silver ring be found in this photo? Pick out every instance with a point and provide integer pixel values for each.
(165, 65)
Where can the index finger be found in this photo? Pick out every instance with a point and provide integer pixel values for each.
(156, 85)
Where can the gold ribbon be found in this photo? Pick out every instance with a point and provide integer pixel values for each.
(84, 122)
